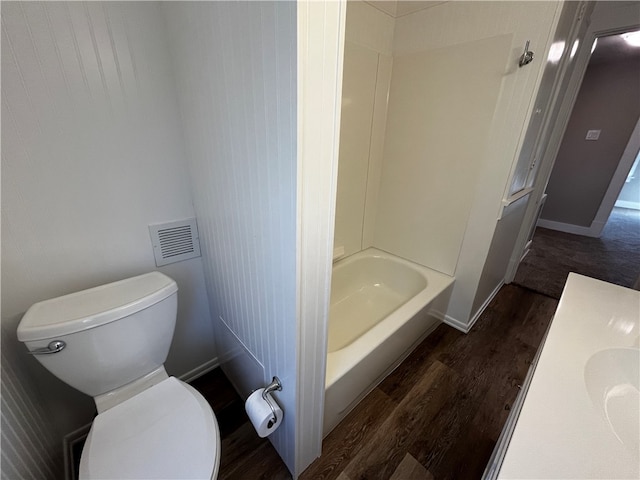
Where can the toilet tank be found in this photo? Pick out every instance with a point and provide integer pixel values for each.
(114, 333)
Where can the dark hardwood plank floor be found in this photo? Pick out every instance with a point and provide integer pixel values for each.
(437, 416)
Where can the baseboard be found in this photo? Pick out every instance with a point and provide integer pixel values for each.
(627, 204)
(455, 323)
(200, 370)
(486, 303)
(81, 433)
(592, 231)
(68, 443)
(466, 327)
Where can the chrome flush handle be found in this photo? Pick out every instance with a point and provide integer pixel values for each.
(54, 347)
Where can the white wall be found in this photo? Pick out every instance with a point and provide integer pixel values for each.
(92, 153)
(457, 113)
(319, 80)
(437, 128)
(517, 219)
(365, 89)
(358, 96)
(236, 77)
(369, 27)
(30, 446)
(463, 23)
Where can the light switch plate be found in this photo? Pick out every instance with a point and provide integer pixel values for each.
(593, 134)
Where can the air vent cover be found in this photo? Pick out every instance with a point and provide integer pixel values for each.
(175, 241)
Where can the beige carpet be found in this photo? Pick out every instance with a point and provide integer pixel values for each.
(614, 257)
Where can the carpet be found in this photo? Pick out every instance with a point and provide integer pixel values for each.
(614, 257)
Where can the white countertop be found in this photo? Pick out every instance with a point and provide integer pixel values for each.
(589, 364)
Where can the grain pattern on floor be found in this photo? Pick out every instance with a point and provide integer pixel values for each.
(452, 396)
(613, 257)
(380, 457)
(411, 469)
(354, 431)
(437, 416)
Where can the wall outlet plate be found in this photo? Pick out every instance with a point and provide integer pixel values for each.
(593, 134)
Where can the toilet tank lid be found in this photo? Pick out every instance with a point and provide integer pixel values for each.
(94, 307)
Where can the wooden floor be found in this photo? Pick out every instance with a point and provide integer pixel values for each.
(437, 416)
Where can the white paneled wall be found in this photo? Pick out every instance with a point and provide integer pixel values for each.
(236, 77)
(92, 153)
(30, 447)
(319, 79)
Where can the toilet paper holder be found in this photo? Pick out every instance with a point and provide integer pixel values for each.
(274, 385)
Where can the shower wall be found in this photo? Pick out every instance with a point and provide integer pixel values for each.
(437, 129)
(366, 78)
(458, 106)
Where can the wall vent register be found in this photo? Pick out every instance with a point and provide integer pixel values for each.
(175, 241)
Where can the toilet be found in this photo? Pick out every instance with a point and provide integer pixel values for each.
(111, 343)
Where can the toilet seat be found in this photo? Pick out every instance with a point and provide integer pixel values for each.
(166, 431)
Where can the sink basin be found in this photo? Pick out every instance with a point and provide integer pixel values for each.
(612, 377)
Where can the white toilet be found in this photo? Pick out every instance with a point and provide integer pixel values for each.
(111, 342)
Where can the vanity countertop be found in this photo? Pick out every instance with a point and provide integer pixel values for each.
(581, 413)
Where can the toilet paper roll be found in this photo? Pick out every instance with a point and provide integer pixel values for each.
(261, 414)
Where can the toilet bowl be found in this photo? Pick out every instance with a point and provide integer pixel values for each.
(167, 431)
(111, 342)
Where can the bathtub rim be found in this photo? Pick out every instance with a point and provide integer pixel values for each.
(340, 362)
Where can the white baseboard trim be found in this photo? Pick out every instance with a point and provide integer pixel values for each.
(81, 433)
(466, 327)
(593, 231)
(200, 370)
(514, 264)
(455, 323)
(627, 204)
(68, 443)
(486, 303)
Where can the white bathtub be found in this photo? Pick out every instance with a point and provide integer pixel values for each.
(382, 307)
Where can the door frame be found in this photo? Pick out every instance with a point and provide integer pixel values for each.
(617, 181)
(611, 19)
(320, 51)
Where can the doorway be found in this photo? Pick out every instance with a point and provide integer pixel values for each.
(579, 229)
(630, 194)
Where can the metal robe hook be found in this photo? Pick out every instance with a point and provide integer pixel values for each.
(527, 57)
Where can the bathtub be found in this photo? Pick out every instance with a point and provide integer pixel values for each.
(382, 307)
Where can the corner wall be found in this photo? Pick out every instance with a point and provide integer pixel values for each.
(609, 100)
(449, 151)
(92, 153)
(365, 89)
(30, 446)
(235, 64)
(456, 219)
(437, 131)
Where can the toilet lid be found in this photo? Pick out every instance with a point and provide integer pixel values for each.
(166, 431)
